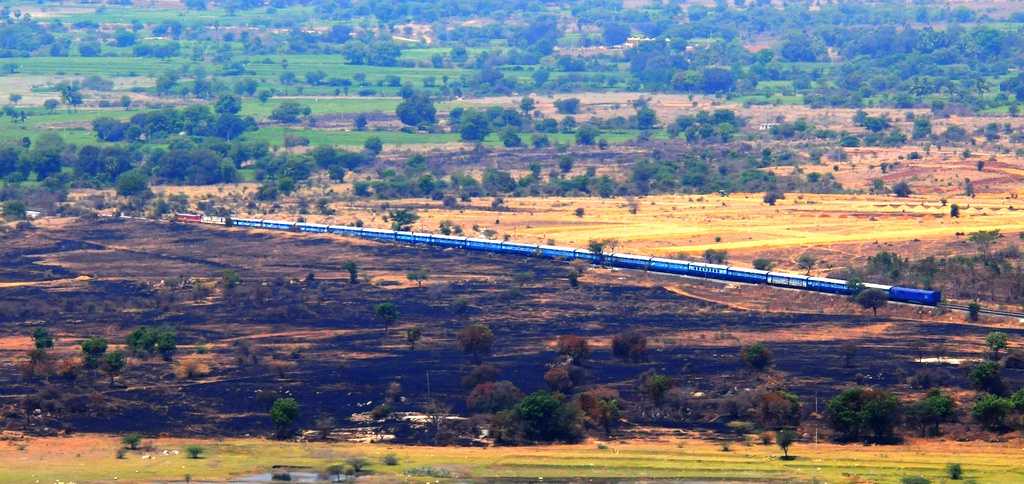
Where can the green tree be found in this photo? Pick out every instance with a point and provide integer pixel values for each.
(756, 356)
(283, 413)
(14, 210)
(864, 413)
(985, 376)
(418, 276)
(713, 256)
(416, 109)
(387, 313)
(412, 336)
(474, 126)
(996, 342)
(402, 219)
(93, 350)
(113, 363)
(131, 441)
(544, 417)
(930, 411)
(991, 411)
(984, 239)
(807, 262)
(42, 338)
(353, 271)
(785, 438)
(228, 104)
(132, 183)
(872, 299)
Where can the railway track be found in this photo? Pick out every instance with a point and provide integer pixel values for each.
(994, 312)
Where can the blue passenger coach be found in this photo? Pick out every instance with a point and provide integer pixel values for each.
(625, 261)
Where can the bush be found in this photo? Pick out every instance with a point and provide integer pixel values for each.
(194, 451)
(428, 471)
(390, 460)
(756, 356)
(955, 471)
(985, 376)
(914, 480)
(545, 417)
(131, 441)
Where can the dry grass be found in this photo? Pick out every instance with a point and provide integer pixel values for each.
(192, 366)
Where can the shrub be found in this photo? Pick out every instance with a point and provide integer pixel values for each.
(131, 441)
(357, 463)
(428, 471)
(193, 366)
(390, 460)
(955, 471)
(194, 451)
(756, 356)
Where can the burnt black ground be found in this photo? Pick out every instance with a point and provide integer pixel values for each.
(340, 362)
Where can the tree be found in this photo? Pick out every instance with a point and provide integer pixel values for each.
(902, 189)
(373, 145)
(772, 196)
(418, 276)
(93, 349)
(283, 414)
(51, 105)
(493, 397)
(655, 386)
(228, 104)
(289, 112)
(756, 356)
(872, 299)
(713, 256)
(145, 340)
(601, 407)
(387, 313)
(954, 211)
(996, 342)
(476, 341)
(353, 271)
(785, 438)
(416, 109)
(985, 376)
(931, 411)
(984, 239)
(763, 264)
(15, 210)
(545, 417)
(402, 219)
(413, 335)
(574, 347)
(567, 106)
(630, 346)
(864, 413)
(14, 98)
(113, 363)
(991, 411)
(131, 441)
(806, 262)
(360, 122)
(973, 311)
(587, 134)
(133, 183)
(474, 126)
(42, 338)
(194, 451)
(527, 105)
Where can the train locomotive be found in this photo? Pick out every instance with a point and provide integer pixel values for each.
(624, 261)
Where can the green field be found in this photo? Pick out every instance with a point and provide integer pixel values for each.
(92, 459)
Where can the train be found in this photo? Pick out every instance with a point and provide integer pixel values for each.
(702, 270)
